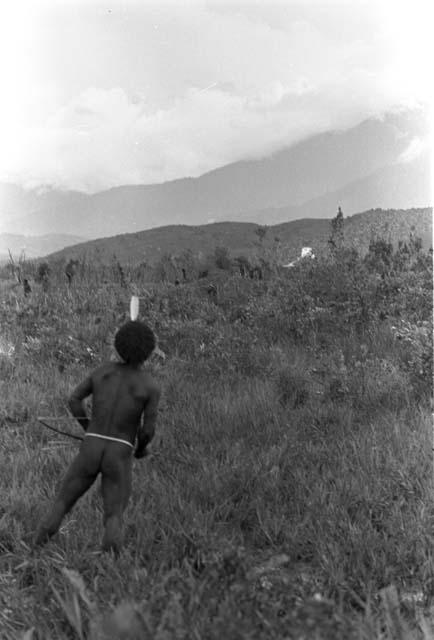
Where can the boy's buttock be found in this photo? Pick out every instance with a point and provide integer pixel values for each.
(97, 454)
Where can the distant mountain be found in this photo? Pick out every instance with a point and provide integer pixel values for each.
(306, 180)
(408, 183)
(34, 246)
(285, 240)
(17, 203)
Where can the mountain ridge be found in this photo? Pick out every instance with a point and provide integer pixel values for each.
(294, 178)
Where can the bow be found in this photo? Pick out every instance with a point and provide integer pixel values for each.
(63, 433)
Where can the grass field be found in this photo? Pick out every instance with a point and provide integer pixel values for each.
(289, 493)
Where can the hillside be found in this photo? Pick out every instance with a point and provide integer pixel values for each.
(358, 167)
(240, 237)
(34, 246)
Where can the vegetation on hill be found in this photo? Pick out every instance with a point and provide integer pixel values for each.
(283, 241)
(289, 494)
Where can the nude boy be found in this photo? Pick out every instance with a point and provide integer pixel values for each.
(122, 394)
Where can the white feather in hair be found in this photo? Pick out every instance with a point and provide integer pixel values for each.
(134, 308)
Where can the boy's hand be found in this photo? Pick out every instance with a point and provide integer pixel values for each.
(140, 453)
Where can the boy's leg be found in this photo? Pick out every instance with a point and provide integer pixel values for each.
(116, 490)
(77, 481)
(127, 483)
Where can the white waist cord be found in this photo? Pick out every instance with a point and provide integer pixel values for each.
(98, 435)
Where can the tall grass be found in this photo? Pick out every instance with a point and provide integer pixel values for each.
(289, 494)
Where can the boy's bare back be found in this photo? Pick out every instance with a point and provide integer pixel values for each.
(121, 393)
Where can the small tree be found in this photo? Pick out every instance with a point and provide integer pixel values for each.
(70, 270)
(43, 274)
(188, 263)
(243, 265)
(165, 268)
(261, 232)
(43, 271)
(380, 256)
(336, 240)
(222, 259)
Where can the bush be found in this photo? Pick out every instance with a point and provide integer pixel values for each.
(222, 258)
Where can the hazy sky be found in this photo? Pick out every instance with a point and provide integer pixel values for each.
(98, 94)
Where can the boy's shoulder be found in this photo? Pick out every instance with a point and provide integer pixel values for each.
(102, 371)
(143, 376)
(104, 368)
(149, 380)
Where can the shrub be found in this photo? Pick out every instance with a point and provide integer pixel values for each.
(222, 258)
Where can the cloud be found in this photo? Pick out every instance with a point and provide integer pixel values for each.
(414, 150)
(173, 92)
(103, 138)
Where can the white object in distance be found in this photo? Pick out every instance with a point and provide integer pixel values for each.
(307, 252)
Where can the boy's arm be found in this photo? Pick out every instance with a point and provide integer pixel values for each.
(146, 430)
(75, 402)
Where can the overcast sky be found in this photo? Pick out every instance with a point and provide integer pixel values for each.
(98, 94)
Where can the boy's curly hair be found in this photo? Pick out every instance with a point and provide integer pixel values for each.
(134, 342)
